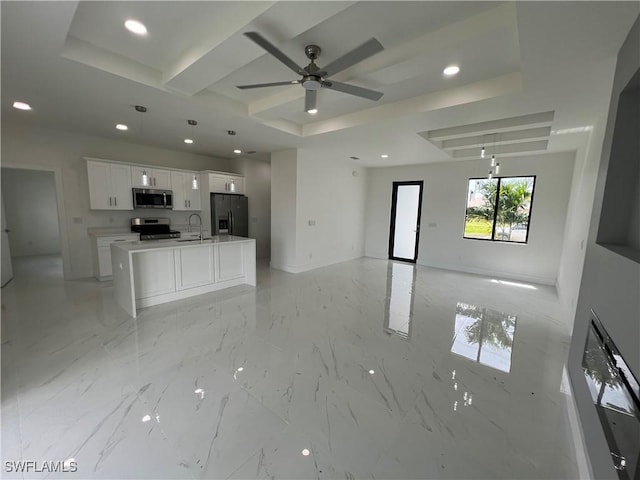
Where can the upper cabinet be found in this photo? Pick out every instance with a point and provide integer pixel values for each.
(156, 177)
(224, 183)
(185, 197)
(109, 186)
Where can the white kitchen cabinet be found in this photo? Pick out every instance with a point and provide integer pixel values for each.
(222, 183)
(229, 261)
(157, 178)
(184, 196)
(109, 186)
(101, 249)
(154, 273)
(194, 266)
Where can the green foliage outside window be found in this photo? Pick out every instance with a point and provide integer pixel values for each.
(499, 209)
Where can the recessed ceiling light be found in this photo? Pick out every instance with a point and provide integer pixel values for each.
(384, 155)
(451, 70)
(237, 150)
(312, 111)
(21, 106)
(188, 140)
(134, 26)
(305, 452)
(122, 126)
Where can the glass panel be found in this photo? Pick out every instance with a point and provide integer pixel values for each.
(512, 220)
(406, 221)
(484, 335)
(481, 203)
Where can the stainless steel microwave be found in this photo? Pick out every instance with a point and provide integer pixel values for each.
(148, 198)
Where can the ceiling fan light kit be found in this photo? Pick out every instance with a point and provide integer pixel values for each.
(312, 77)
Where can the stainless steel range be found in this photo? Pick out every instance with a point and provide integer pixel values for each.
(153, 228)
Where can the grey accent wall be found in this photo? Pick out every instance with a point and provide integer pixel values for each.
(257, 183)
(610, 281)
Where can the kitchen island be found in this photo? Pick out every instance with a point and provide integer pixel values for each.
(153, 272)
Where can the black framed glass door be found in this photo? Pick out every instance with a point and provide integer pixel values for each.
(404, 234)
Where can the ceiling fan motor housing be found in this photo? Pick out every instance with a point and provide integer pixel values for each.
(311, 82)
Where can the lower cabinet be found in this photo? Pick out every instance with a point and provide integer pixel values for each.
(172, 272)
(101, 248)
(229, 261)
(154, 273)
(194, 266)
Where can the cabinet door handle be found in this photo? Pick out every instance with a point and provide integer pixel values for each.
(189, 203)
(185, 204)
(109, 201)
(115, 201)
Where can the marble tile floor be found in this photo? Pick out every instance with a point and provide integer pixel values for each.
(364, 369)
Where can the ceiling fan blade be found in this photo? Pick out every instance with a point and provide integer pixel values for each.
(310, 99)
(368, 48)
(353, 90)
(275, 51)
(272, 84)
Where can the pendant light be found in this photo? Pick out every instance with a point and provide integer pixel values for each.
(141, 110)
(494, 167)
(193, 123)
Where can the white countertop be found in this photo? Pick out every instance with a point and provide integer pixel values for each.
(146, 245)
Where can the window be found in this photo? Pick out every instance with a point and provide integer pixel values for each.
(499, 209)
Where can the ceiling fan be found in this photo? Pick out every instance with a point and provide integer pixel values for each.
(313, 77)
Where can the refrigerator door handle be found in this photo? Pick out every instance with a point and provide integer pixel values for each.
(230, 222)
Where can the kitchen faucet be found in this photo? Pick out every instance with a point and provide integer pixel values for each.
(200, 218)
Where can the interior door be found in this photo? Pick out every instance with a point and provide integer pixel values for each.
(406, 203)
(7, 268)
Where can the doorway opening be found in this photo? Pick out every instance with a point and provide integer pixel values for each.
(404, 234)
(30, 223)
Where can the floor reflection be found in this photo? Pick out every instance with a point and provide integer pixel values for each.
(401, 280)
(484, 335)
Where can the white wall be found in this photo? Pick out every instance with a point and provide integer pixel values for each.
(284, 175)
(443, 211)
(610, 282)
(257, 177)
(312, 186)
(332, 193)
(32, 216)
(23, 144)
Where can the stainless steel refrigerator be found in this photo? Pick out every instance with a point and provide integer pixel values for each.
(229, 215)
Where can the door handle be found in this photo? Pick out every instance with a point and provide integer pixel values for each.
(6, 230)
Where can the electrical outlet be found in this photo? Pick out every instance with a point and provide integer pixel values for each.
(433, 224)
(312, 223)
(77, 220)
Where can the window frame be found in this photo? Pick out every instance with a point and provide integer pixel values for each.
(495, 210)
